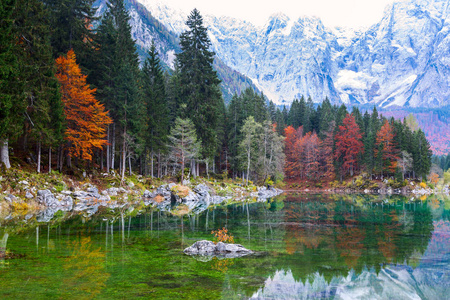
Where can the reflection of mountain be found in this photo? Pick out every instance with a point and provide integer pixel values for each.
(429, 280)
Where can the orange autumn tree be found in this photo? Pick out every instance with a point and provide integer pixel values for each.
(86, 117)
(385, 144)
(348, 145)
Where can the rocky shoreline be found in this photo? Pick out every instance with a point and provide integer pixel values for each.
(173, 198)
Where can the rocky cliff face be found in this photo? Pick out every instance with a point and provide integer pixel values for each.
(401, 61)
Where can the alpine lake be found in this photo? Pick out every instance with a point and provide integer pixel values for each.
(306, 247)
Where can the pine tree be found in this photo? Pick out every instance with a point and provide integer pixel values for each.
(199, 82)
(37, 69)
(157, 114)
(248, 146)
(117, 81)
(421, 154)
(11, 100)
(183, 144)
(71, 29)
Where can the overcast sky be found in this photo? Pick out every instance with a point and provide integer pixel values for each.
(350, 13)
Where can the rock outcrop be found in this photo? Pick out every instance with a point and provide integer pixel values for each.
(208, 248)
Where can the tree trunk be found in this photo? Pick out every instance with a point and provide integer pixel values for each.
(113, 146)
(248, 164)
(207, 167)
(159, 163)
(69, 160)
(50, 159)
(129, 164)
(101, 159)
(108, 151)
(124, 151)
(4, 153)
(152, 163)
(39, 157)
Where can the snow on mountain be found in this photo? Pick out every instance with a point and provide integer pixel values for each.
(401, 61)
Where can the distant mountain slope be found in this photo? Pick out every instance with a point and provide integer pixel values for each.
(145, 28)
(404, 60)
(435, 123)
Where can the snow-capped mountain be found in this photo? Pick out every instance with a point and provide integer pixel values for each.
(145, 28)
(403, 60)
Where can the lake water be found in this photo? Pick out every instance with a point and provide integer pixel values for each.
(308, 246)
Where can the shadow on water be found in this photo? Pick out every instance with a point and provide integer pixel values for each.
(319, 246)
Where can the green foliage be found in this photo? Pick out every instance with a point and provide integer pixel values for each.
(184, 145)
(447, 177)
(199, 83)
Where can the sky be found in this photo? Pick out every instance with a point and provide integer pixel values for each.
(347, 13)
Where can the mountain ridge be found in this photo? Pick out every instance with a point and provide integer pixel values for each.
(399, 61)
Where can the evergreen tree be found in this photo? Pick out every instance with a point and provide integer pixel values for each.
(325, 118)
(157, 114)
(248, 146)
(41, 90)
(199, 82)
(421, 154)
(11, 100)
(183, 144)
(117, 79)
(71, 29)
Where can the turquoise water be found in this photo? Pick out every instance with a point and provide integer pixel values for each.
(313, 246)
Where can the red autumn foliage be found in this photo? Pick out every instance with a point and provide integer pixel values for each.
(348, 145)
(385, 137)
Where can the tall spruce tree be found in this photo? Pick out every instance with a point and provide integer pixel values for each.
(155, 101)
(12, 105)
(199, 83)
(37, 70)
(117, 79)
(71, 29)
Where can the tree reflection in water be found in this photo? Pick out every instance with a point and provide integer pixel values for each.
(86, 274)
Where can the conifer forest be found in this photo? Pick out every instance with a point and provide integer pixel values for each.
(74, 93)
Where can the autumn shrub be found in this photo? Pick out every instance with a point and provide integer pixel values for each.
(423, 185)
(447, 177)
(20, 206)
(334, 184)
(268, 181)
(395, 184)
(181, 190)
(221, 235)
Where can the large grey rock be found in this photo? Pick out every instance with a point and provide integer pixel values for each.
(201, 248)
(67, 203)
(268, 192)
(46, 198)
(208, 248)
(47, 214)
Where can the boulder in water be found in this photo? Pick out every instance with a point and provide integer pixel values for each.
(208, 248)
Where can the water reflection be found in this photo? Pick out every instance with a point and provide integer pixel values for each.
(429, 279)
(307, 246)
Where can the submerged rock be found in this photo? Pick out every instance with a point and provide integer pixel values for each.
(208, 248)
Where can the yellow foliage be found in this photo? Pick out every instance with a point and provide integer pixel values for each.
(20, 206)
(423, 185)
(181, 190)
(434, 178)
(223, 236)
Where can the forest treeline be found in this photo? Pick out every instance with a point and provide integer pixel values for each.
(75, 95)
